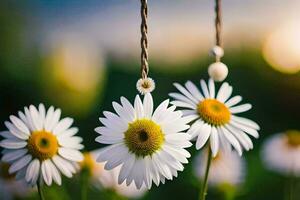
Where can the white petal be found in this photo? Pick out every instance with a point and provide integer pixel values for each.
(186, 93)
(194, 129)
(125, 169)
(129, 110)
(183, 104)
(204, 89)
(19, 124)
(240, 108)
(29, 119)
(70, 154)
(70, 142)
(15, 131)
(69, 133)
(46, 172)
(120, 156)
(13, 143)
(176, 153)
(35, 116)
(161, 108)
(55, 119)
(113, 121)
(214, 141)
(32, 171)
(63, 125)
(148, 105)
(233, 141)
(7, 135)
(122, 112)
(211, 86)
(138, 172)
(233, 101)
(194, 90)
(42, 112)
(204, 133)
(246, 122)
(112, 139)
(180, 97)
(24, 119)
(13, 155)
(138, 106)
(246, 129)
(19, 164)
(63, 165)
(240, 137)
(224, 93)
(55, 174)
(48, 119)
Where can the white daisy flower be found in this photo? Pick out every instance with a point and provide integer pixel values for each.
(145, 85)
(108, 179)
(39, 145)
(149, 145)
(226, 168)
(9, 187)
(214, 115)
(281, 153)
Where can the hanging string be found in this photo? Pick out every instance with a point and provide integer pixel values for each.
(144, 39)
(218, 26)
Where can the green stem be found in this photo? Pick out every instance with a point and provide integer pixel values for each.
(84, 184)
(40, 191)
(289, 188)
(203, 190)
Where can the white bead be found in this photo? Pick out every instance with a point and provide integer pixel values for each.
(217, 51)
(218, 71)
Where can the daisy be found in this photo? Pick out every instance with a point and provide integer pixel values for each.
(145, 85)
(149, 145)
(40, 146)
(108, 179)
(214, 115)
(281, 153)
(9, 187)
(227, 168)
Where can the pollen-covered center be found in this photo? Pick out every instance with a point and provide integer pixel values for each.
(42, 145)
(146, 84)
(144, 137)
(293, 138)
(213, 112)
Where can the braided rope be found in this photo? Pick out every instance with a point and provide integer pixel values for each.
(144, 39)
(218, 25)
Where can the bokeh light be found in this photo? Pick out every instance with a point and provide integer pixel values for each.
(282, 48)
(75, 72)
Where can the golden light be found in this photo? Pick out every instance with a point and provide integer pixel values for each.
(282, 48)
(75, 70)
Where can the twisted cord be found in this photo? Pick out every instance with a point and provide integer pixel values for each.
(218, 24)
(144, 39)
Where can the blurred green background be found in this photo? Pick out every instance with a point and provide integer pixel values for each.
(82, 55)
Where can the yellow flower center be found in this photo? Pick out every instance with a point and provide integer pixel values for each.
(42, 145)
(88, 163)
(293, 138)
(213, 112)
(144, 137)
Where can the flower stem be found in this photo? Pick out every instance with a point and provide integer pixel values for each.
(84, 184)
(289, 188)
(40, 191)
(203, 190)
